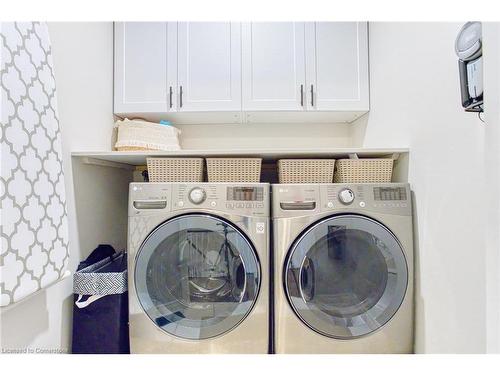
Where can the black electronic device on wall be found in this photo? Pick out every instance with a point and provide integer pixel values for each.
(468, 47)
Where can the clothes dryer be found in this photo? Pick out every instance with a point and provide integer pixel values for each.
(343, 268)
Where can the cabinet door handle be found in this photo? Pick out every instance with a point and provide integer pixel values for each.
(170, 96)
(180, 93)
(301, 95)
(312, 95)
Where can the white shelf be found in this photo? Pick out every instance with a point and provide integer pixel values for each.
(125, 159)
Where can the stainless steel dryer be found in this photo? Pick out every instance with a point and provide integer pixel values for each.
(343, 268)
(198, 268)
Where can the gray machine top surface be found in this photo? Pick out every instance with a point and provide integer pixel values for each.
(292, 200)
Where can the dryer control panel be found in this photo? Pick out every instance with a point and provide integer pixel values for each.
(304, 199)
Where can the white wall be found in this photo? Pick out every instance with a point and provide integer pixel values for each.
(491, 51)
(83, 56)
(415, 102)
(233, 136)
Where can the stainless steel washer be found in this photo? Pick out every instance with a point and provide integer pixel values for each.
(198, 268)
(343, 268)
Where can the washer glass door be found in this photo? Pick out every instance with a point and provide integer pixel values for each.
(197, 276)
(346, 276)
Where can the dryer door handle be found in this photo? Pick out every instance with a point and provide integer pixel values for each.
(307, 279)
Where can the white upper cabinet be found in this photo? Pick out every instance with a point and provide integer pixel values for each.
(145, 67)
(273, 66)
(337, 66)
(209, 66)
(273, 71)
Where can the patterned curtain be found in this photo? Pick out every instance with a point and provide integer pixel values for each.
(33, 213)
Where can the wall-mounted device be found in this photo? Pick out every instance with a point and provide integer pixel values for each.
(468, 47)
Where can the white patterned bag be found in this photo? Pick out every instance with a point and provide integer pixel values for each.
(33, 213)
(98, 281)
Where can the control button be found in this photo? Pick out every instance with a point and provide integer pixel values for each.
(213, 203)
(362, 204)
(180, 204)
(260, 227)
(197, 195)
(346, 196)
(329, 204)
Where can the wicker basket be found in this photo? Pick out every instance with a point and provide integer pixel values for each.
(138, 135)
(234, 169)
(175, 169)
(363, 170)
(301, 171)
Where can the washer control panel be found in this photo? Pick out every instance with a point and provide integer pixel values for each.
(242, 199)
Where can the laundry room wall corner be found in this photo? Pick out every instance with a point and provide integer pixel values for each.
(83, 63)
(415, 103)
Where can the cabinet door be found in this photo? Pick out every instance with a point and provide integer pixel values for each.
(273, 66)
(209, 66)
(145, 66)
(337, 66)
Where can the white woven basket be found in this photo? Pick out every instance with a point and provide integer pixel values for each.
(136, 135)
(234, 169)
(363, 170)
(175, 169)
(301, 171)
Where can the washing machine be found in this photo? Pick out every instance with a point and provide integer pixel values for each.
(198, 257)
(343, 268)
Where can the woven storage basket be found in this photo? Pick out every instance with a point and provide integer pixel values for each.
(175, 169)
(301, 171)
(363, 170)
(137, 135)
(234, 169)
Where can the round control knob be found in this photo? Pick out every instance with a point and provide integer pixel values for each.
(197, 195)
(346, 196)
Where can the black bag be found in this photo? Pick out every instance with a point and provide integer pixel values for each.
(100, 310)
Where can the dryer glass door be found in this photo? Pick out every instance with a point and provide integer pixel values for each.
(197, 276)
(346, 276)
